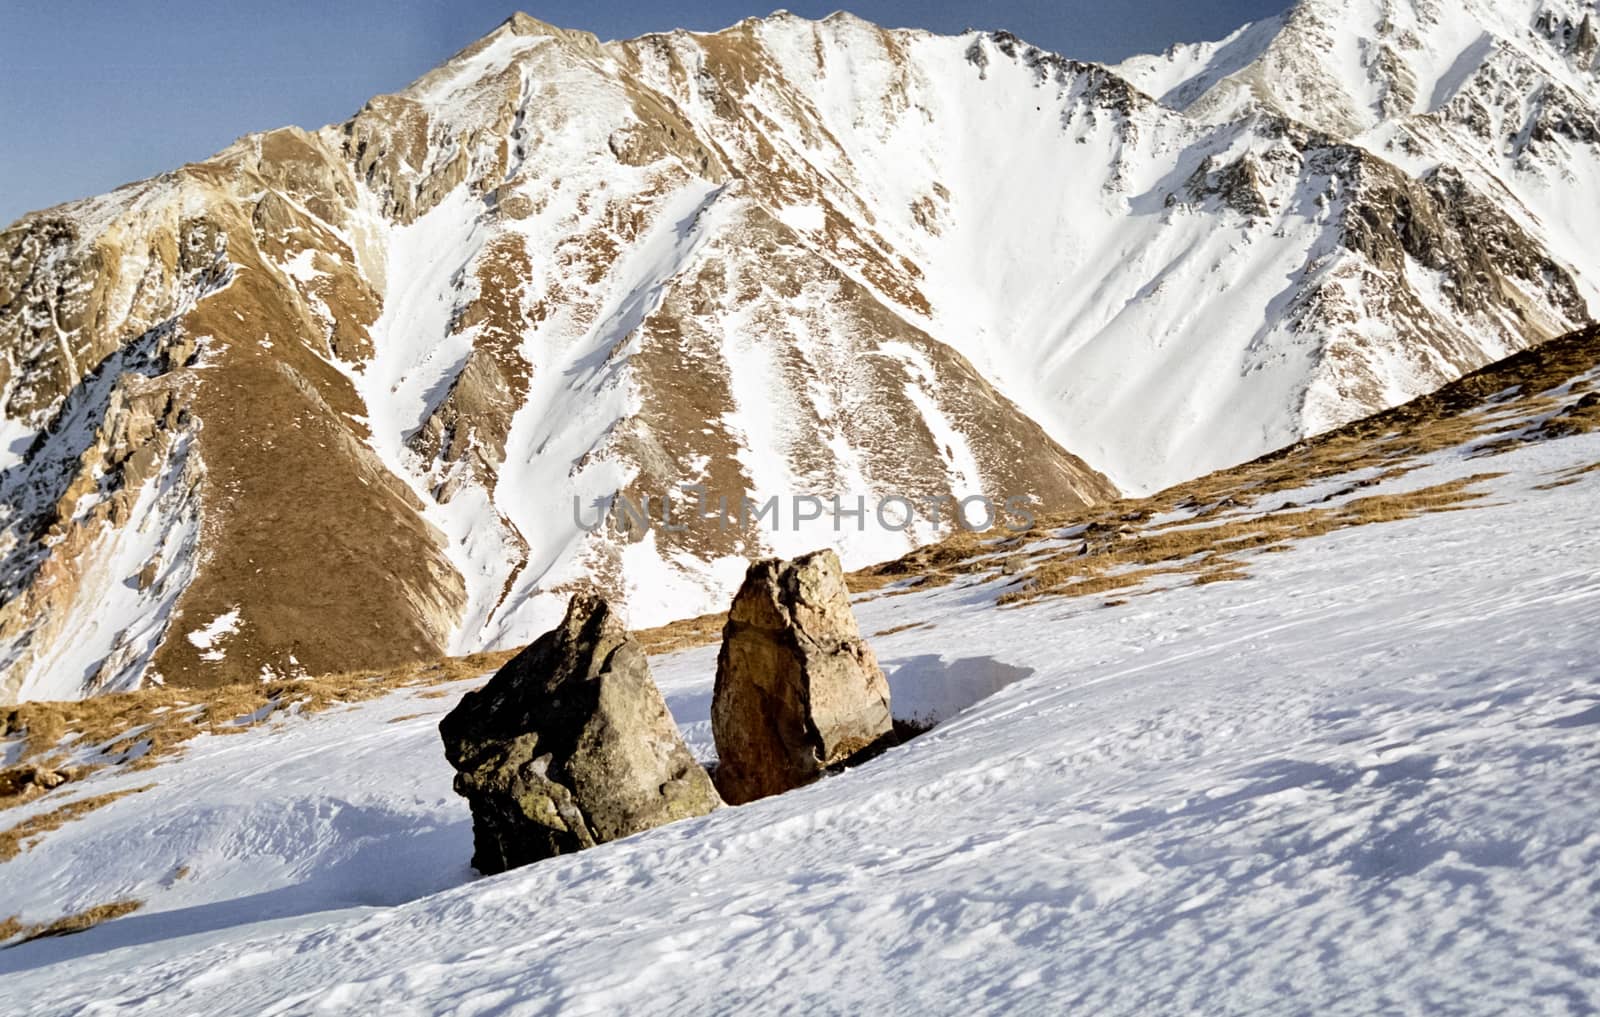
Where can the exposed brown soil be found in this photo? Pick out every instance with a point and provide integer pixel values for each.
(284, 462)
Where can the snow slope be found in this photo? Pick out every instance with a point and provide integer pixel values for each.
(1360, 781)
(1504, 91)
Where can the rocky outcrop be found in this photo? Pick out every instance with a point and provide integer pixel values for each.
(798, 690)
(570, 745)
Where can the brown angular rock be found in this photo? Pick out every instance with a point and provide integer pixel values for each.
(798, 690)
(570, 745)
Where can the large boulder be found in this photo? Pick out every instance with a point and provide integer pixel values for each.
(798, 690)
(570, 745)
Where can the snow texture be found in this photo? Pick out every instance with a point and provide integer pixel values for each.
(1361, 781)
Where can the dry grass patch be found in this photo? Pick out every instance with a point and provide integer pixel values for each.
(139, 729)
(872, 578)
(962, 553)
(1085, 583)
(15, 932)
(1566, 478)
(899, 628)
(25, 834)
(1210, 551)
(1230, 573)
(1448, 497)
(682, 635)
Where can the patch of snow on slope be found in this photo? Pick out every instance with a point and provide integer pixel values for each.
(1461, 69)
(414, 350)
(415, 356)
(662, 586)
(302, 267)
(1186, 72)
(452, 90)
(15, 438)
(802, 218)
(580, 392)
(117, 621)
(210, 636)
(965, 477)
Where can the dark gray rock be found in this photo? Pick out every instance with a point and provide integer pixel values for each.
(570, 745)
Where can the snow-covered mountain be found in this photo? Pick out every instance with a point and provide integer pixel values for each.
(1358, 778)
(343, 398)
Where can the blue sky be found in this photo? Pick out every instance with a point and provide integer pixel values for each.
(95, 94)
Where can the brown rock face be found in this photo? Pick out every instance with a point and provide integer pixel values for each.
(798, 690)
(570, 745)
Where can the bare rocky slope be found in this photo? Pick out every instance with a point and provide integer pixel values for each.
(345, 398)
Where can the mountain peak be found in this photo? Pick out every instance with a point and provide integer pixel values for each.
(524, 24)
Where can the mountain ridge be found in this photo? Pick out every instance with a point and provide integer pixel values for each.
(787, 258)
